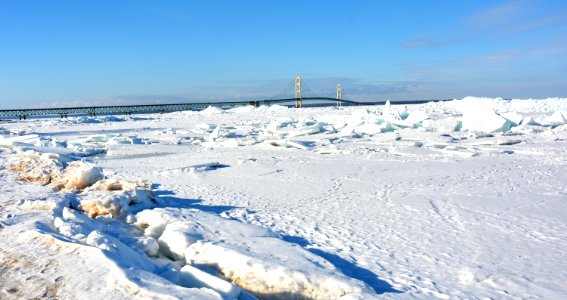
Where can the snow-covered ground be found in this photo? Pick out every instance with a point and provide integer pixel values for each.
(461, 199)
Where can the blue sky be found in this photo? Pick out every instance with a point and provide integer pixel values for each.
(80, 52)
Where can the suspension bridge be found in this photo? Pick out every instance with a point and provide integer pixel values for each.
(297, 94)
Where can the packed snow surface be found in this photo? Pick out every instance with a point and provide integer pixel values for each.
(453, 200)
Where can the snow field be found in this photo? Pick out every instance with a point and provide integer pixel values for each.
(113, 198)
(443, 200)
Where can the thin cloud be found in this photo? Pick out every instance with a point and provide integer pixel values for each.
(441, 39)
(510, 18)
(418, 43)
(514, 17)
(534, 24)
(498, 15)
(503, 64)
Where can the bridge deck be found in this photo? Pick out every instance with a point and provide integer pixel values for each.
(162, 108)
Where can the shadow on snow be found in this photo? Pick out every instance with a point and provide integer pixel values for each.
(350, 269)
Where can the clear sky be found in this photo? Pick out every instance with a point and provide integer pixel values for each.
(80, 52)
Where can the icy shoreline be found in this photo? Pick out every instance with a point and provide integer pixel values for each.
(185, 246)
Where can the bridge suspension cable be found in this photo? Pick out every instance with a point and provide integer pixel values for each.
(285, 92)
(302, 90)
(307, 91)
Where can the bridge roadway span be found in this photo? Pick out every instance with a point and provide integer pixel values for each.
(162, 108)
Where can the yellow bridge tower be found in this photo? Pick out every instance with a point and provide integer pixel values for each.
(298, 101)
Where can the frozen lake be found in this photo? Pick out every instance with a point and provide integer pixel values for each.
(454, 200)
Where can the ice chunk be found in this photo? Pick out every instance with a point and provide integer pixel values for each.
(225, 143)
(514, 118)
(105, 204)
(233, 143)
(368, 129)
(205, 167)
(242, 109)
(470, 104)
(437, 145)
(558, 118)
(116, 198)
(508, 142)
(85, 150)
(153, 221)
(448, 124)
(286, 144)
(417, 117)
(199, 167)
(148, 245)
(484, 120)
(130, 140)
(177, 237)
(229, 143)
(215, 134)
(530, 129)
(211, 110)
(193, 277)
(278, 123)
(272, 108)
(97, 239)
(79, 175)
(51, 203)
(203, 128)
(528, 121)
(120, 251)
(404, 114)
(99, 138)
(358, 117)
(50, 142)
(388, 127)
(348, 131)
(387, 111)
(11, 141)
(400, 123)
(36, 167)
(94, 120)
(115, 184)
(73, 224)
(113, 119)
(307, 130)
